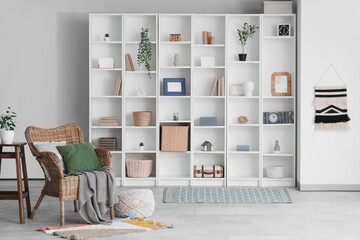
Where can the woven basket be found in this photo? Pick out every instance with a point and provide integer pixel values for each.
(142, 118)
(138, 167)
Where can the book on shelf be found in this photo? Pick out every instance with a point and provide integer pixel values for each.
(117, 86)
(108, 121)
(218, 86)
(222, 90)
(212, 92)
(129, 62)
(108, 143)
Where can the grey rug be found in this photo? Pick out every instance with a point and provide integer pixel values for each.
(260, 195)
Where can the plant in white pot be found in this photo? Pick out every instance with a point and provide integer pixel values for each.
(7, 126)
(246, 32)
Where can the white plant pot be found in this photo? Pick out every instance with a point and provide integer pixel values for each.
(7, 137)
(248, 87)
(107, 39)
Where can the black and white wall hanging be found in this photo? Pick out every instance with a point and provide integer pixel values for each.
(331, 106)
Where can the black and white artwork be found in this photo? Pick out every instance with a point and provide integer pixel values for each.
(283, 29)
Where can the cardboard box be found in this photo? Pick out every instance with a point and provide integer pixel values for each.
(277, 7)
(174, 138)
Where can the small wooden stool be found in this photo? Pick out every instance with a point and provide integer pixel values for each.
(19, 194)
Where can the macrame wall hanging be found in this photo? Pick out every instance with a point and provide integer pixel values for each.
(331, 106)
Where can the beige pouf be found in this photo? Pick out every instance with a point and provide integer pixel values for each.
(135, 203)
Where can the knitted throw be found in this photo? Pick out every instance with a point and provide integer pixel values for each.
(331, 109)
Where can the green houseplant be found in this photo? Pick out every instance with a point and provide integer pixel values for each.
(246, 32)
(144, 51)
(7, 126)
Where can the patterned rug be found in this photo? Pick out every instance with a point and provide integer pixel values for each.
(260, 195)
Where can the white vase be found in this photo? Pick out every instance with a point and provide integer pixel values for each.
(248, 87)
(7, 137)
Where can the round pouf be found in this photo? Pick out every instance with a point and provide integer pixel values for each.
(135, 203)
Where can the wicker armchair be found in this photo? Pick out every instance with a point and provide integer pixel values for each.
(56, 184)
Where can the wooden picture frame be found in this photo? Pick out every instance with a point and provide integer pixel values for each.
(281, 84)
(175, 37)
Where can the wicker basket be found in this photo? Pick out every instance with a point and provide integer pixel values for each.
(142, 118)
(138, 167)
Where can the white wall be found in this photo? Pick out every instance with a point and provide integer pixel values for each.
(44, 57)
(329, 33)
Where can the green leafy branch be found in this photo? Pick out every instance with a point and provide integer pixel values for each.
(246, 32)
(7, 120)
(144, 51)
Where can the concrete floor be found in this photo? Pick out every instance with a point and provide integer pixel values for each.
(316, 215)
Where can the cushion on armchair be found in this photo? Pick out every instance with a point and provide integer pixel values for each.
(79, 158)
(51, 147)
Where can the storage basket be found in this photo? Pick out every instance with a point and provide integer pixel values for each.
(138, 167)
(142, 118)
(276, 171)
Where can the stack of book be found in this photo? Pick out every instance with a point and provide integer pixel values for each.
(219, 83)
(108, 121)
(108, 143)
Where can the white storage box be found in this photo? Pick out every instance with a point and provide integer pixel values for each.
(275, 171)
(277, 7)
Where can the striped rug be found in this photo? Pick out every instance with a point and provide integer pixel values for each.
(246, 195)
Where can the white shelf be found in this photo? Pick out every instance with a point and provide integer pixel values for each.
(138, 151)
(176, 43)
(244, 62)
(139, 72)
(176, 67)
(244, 125)
(140, 127)
(212, 97)
(244, 97)
(139, 97)
(279, 125)
(205, 127)
(278, 155)
(243, 152)
(209, 152)
(165, 97)
(172, 121)
(214, 67)
(109, 42)
(243, 179)
(166, 177)
(105, 127)
(278, 97)
(137, 42)
(278, 179)
(106, 69)
(210, 45)
(106, 97)
(279, 37)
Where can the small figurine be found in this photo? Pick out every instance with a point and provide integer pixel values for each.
(140, 92)
(207, 146)
(141, 146)
(175, 116)
(107, 37)
(177, 61)
(277, 147)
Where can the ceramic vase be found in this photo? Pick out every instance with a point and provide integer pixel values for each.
(277, 147)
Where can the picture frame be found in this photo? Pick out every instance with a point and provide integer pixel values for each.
(235, 90)
(207, 61)
(281, 84)
(174, 86)
(175, 37)
(283, 29)
(106, 63)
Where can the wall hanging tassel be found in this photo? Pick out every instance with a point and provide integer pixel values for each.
(331, 106)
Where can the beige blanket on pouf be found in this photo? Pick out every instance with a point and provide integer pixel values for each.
(97, 193)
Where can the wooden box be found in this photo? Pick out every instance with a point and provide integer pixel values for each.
(174, 138)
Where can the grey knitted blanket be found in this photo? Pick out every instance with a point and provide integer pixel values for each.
(97, 193)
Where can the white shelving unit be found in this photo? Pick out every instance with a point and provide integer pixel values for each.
(267, 53)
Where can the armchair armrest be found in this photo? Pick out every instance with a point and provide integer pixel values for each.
(104, 156)
(52, 164)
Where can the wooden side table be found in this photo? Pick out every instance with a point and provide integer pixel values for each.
(19, 194)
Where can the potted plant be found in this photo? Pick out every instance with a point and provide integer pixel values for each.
(107, 37)
(7, 126)
(175, 116)
(141, 146)
(246, 32)
(144, 51)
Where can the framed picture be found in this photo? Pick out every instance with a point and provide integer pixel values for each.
(281, 84)
(174, 87)
(175, 37)
(283, 29)
(236, 90)
(207, 61)
(106, 63)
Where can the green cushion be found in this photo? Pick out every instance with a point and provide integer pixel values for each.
(79, 158)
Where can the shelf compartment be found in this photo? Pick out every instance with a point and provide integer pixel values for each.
(216, 136)
(252, 49)
(285, 136)
(243, 166)
(217, 53)
(134, 136)
(134, 82)
(286, 162)
(243, 136)
(117, 165)
(134, 23)
(103, 83)
(142, 155)
(209, 45)
(271, 21)
(100, 133)
(210, 23)
(138, 182)
(140, 104)
(176, 73)
(214, 182)
(167, 53)
(243, 107)
(175, 43)
(106, 51)
(105, 107)
(175, 165)
(278, 154)
(209, 108)
(169, 106)
(239, 73)
(278, 105)
(208, 159)
(175, 24)
(101, 24)
(132, 49)
(205, 79)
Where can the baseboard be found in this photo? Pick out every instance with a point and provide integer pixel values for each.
(329, 187)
